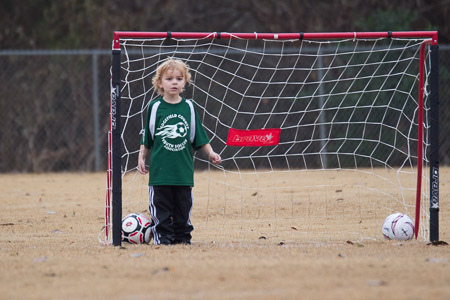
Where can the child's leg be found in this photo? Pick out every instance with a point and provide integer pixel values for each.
(161, 208)
(182, 212)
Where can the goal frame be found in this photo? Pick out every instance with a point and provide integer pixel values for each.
(114, 171)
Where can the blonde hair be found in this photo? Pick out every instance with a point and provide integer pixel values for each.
(170, 64)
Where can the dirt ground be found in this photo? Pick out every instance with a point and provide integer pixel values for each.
(49, 249)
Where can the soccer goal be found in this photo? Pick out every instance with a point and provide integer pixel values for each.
(322, 135)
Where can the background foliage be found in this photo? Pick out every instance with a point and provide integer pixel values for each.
(48, 24)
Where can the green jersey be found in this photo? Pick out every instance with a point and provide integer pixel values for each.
(173, 132)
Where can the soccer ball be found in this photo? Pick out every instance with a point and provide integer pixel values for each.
(398, 226)
(136, 229)
(180, 129)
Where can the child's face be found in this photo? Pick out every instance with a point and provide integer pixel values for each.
(172, 82)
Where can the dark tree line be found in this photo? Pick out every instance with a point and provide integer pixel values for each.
(48, 24)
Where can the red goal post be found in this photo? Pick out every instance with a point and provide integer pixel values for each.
(430, 38)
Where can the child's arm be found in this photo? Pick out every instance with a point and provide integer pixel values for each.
(213, 156)
(141, 160)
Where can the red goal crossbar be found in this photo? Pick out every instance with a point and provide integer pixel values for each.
(432, 35)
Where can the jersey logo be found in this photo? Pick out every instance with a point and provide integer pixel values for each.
(152, 121)
(173, 130)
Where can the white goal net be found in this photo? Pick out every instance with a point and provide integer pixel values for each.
(319, 139)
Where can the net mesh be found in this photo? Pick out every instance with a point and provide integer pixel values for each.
(348, 149)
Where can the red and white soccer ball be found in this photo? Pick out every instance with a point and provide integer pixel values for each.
(136, 229)
(398, 226)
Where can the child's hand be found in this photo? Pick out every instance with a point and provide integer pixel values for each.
(141, 160)
(215, 158)
(141, 166)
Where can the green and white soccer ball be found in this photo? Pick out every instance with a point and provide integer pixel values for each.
(181, 129)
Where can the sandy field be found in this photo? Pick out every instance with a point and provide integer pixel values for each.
(50, 249)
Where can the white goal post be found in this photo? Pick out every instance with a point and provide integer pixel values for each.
(317, 131)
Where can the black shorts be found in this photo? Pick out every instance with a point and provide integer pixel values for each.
(170, 209)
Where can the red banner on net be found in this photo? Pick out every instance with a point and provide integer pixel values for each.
(253, 138)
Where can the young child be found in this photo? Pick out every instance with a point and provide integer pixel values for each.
(173, 130)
